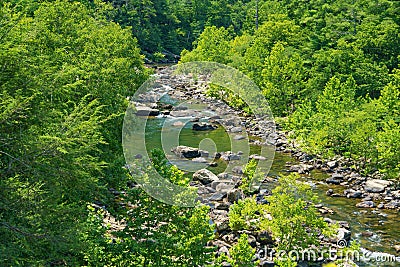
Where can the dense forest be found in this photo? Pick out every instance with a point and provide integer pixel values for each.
(328, 68)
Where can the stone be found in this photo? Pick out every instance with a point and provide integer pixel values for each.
(180, 108)
(394, 204)
(202, 126)
(199, 160)
(237, 169)
(376, 185)
(236, 129)
(332, 180)
(344, 224)
(223, 187)
(222, 206)
(146, 111)
(186, 152)
(238, 137)
(221, 220)
(213, 164)
(343, 234)
(257, 157)
(228, 156)
(329, 192)
(224, 175)
(337, 176)
(218, 196)
(397, 248)
(204, 176)
(182, 113)
(366, 204)
(178, 124)
(332, 164)
(223, 250)
(252, 241)
(350, 193)
(234, 195)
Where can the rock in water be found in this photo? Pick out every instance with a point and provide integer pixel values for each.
(146, 111)
(376, 185)
(186, 152)
(203, 127)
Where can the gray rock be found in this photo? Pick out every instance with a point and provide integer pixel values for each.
(224, 175)
(186, 152)
(366, 204)
(205, 176)
(394, 204)
(178, 124)
(222, 206)
(344, 234)
(237, 169)
(223, 250)
(332, 180)
(199, 160)
(218, 196)
(376, 185)
(301, 168)
(235, 194)
(332, 164)
(350, 193)
(238, 137)
(228, 156)
(213, 164)
(146, 111)
(257, 157)
(223, 187)
(236, 129)
(182, 113)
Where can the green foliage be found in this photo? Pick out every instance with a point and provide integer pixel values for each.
(250, 174)
(66, 72)
(232, 99)
(295, 222)
(242, 254)
(152, 233)
(245, 214)
(212, 45)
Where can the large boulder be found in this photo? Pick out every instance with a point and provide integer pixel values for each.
(186, 152)
(228, 156)
(376, 185)
(205, 176)
(146, 111)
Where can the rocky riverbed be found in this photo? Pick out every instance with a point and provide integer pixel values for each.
(221, 191)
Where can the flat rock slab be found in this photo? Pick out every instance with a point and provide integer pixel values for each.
(205, 176)
(146, 111)
(376, 185)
